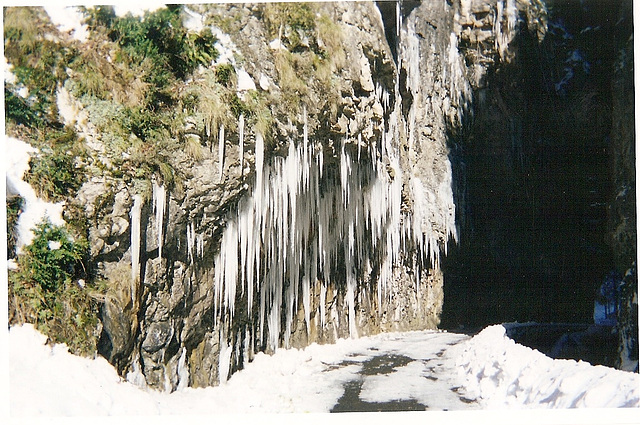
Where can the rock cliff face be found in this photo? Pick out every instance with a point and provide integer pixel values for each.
(623, 217)
(536, 172)
(331, 226)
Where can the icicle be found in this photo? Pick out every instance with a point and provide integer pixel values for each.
(159, 203)
(199, 245)
(241, 137)
(259, 154)
(183, 371)
(227, 268)
(224, 359)
(296, 229)
(221, 146)
(248, 344)
(398, 19)
(190, 240)
(323, 302)
(136, 212)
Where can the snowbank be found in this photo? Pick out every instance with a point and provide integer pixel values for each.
(501, 373)
(48, 381)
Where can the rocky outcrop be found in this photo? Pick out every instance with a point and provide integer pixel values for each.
(321, 207)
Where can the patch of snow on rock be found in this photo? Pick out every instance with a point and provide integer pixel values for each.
(265, 84)
(225, 47)
(68, 107)
(68, 19)
(35, 209)
(137, 8)
(9, 76)
(245, 83)
(194, 21)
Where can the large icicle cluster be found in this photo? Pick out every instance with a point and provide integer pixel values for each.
(305, 225)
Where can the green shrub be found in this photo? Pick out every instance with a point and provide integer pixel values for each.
(39, 63)
(52, 258)
(223, 73)
(19, 111)
(45, 290)
(53, 173)
(158, 43)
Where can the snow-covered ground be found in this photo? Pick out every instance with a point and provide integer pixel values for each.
(48, 381)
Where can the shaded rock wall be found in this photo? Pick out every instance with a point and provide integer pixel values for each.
(536, 169)
(623, 210)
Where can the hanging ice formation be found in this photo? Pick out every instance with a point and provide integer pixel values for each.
(159, 203)
(301, 224)
(221, 149)
(136, 211)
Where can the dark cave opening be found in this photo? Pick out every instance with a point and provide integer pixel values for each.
(537, 176)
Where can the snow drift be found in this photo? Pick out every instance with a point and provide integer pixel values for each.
(501, 373)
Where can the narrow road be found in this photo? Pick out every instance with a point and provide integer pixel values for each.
(403, 372)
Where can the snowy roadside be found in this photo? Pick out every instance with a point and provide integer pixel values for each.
(503, 374)
(48, 381)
